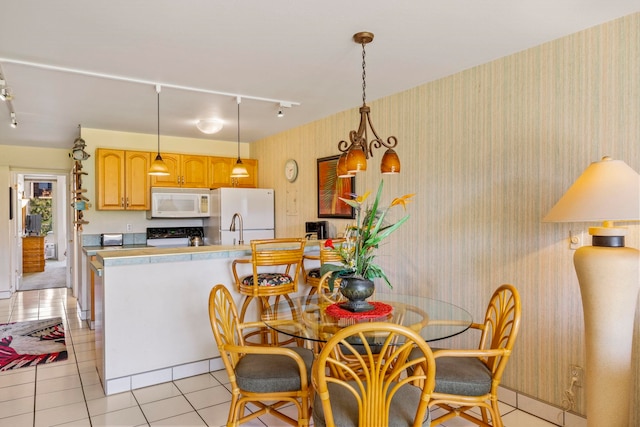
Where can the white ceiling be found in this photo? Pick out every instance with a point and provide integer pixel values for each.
(290, 50)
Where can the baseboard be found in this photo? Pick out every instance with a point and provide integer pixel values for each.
(540, 409)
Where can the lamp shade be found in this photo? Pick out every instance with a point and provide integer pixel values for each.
(341, 168)
(158, 167)
(390, 163)
(608, 190)
(239, 170)
(356, 160)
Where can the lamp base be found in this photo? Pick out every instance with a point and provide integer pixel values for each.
(609, 284)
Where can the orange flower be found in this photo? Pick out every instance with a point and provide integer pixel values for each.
(402, 200)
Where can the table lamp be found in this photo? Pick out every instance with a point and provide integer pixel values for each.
(609, 278)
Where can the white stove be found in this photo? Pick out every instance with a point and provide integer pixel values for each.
(172, 237)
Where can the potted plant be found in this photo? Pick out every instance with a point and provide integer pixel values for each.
(358, 269)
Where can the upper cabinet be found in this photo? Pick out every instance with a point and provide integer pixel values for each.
(185, 170)
(220, 173)
(121, 179)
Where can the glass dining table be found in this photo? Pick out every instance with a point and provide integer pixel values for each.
(315, 318)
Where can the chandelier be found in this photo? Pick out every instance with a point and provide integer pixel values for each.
(356, 152)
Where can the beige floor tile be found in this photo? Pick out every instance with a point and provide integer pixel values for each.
(52, 400)
(198, 382)
(77, 423)
(18, 376)
(125, 417)
(208, 397)
(22, 405)
(61, 414)
(156, 392)
(57, 384)
(191, 419)
(55, 370)
(166, 408)
(111, 403)
(94, 391)
(22, 420)
(16, 391)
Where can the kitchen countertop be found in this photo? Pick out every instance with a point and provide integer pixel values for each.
(142, 254)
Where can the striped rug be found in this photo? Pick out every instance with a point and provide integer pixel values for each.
(31, 343)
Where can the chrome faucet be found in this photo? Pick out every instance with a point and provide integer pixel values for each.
(233, 227)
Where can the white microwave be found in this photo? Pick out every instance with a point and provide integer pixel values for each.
(179, 203)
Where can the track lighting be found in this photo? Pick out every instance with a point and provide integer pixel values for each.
(281, 108)
(5, 95)
(158, 166)
(14, 123)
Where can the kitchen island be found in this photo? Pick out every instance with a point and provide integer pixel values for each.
(151, 312)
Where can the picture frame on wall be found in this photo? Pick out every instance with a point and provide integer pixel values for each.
(331, 188)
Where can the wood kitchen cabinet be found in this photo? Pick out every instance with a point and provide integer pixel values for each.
(185, 170)
(122, 179)
(33, 254)
(220, 173)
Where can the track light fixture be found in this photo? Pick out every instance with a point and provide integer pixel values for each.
(5, 95)
(359, 149)
(14, 123)
(158, 166)
(282, 106)
(239, 170)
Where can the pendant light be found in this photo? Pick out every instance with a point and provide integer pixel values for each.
(359, 149)
(158, 167)
(239, 170)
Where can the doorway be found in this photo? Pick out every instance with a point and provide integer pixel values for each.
(42, 228)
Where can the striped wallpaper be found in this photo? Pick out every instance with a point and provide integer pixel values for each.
(488, 152)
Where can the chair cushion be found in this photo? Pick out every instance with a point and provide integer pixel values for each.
(314, 272)
(268, 279)
(345, 408)
(264, 373)
(465, 376)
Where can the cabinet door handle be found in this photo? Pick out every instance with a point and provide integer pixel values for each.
(122, 202)
(127, 202)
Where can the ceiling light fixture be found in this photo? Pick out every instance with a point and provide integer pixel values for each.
(14, 123)
(209, 126)
(239, 170)
(283, 105)
(158, 166)
(280, 113)
(359, 149)
(5, 95)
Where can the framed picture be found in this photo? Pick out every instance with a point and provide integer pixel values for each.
(330, 188)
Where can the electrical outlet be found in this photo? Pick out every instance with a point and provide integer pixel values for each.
(129, 228)
(575, 239)
(577, 372)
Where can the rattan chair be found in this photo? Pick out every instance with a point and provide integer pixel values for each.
(377, 392)
(268, 377)
(470, 378)
(312, 276)
(276, 264)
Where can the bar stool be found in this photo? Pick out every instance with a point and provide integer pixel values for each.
(326, 255)
(276, 264)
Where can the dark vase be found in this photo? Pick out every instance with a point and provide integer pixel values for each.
(356, 290)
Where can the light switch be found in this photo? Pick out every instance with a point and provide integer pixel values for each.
(575, 239)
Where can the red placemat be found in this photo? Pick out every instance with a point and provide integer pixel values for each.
(380, 310)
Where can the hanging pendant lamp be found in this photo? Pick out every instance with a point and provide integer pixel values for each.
(239, 170)
(359, 149)
(158, 167)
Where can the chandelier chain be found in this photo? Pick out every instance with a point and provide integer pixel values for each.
(364, 75)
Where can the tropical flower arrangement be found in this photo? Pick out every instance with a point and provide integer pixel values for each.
(357, 252)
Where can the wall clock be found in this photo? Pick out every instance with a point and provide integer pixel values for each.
(291, 170)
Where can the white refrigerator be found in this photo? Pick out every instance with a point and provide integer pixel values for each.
(254, 208)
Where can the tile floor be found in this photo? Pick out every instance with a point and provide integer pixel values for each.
(68, 393)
